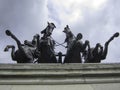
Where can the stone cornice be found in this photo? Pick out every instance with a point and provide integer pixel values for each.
(58, 74)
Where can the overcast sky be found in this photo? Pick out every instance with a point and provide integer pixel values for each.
(97, 20)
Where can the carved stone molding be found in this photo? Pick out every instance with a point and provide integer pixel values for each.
(58, 74)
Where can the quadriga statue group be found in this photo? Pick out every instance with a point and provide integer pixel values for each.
(41, 49)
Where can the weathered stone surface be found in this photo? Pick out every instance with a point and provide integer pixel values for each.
(58, 74)
(103, 86)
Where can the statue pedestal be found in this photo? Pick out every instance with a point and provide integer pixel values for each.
(59, 76)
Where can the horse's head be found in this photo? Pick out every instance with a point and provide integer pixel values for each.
(48, 30)
(51, 25)
(69, 35)
(66, 29)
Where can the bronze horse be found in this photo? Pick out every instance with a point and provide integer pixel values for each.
(74, 47)
(95, 55)
(26, 52)
(69, 35)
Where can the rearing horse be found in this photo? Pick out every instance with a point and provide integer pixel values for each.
(69, 35)
(26, 53)
(98, 53)
(74, 47)
(46, 46)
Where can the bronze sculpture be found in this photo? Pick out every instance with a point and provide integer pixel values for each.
(95, 55)
(69, 35)
(74, 47)
(25, 53)
(41, 50)
(46, 46)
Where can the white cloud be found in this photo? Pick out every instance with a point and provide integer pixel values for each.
(71, 10)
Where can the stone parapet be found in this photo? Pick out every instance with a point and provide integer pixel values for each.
(59, 74)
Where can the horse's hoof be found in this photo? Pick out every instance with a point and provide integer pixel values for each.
(8, 32)
(116, 34)
(6, 49)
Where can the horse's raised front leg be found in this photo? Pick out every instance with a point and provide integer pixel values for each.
(8, 47)
(105, 51)
(9, 33)
(12, 52)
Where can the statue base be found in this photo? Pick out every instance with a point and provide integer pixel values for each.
(59, 76)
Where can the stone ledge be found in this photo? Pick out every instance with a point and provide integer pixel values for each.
(58, 74)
